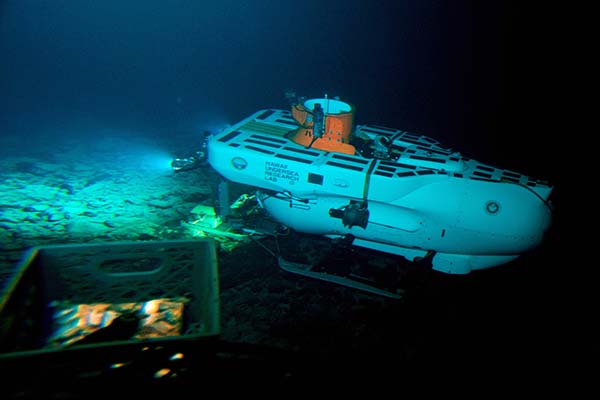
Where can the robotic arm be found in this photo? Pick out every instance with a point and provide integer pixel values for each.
(198, 159)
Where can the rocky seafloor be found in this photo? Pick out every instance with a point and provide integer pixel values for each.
(81, 192)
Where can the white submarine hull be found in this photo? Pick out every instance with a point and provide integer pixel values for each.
(415, 198)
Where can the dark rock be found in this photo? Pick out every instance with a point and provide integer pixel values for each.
(67, 188)
(121, 328)
(98, 178)
(146, 236)
(9, 206)
(161, 204)
(52, 217)
(28, 167)
(194, 197)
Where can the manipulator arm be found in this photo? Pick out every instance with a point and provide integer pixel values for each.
(198, 159)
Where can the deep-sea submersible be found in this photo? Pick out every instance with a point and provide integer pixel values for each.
(383, 188)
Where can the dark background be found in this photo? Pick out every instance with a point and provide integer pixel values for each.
(488, 79)
(476, 75)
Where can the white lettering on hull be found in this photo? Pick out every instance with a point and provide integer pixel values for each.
(277, 172)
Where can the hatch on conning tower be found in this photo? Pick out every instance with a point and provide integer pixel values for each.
(325, 124)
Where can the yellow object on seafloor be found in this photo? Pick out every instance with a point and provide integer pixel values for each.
(206, 216)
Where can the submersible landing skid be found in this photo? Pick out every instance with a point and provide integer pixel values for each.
(316, 270)
(307, 270)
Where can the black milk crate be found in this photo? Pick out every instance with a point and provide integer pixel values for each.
(118, 272)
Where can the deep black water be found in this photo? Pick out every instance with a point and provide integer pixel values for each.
(480, 77)
(471, 74)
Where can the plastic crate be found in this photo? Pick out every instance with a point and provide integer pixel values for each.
(119, 272)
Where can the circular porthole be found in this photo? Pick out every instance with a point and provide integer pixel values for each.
(239, 163)
(492, 207)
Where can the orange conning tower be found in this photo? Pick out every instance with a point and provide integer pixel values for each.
(334, 119)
